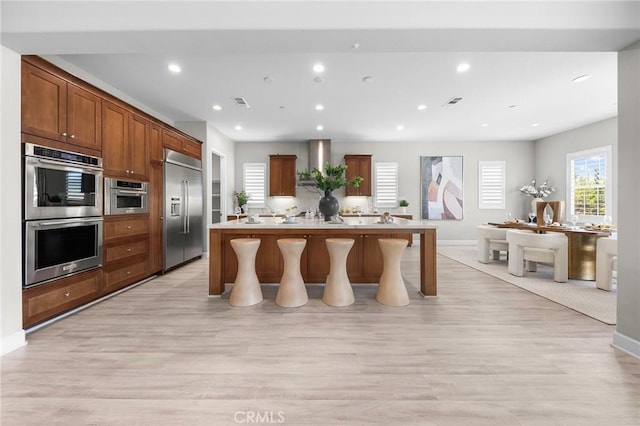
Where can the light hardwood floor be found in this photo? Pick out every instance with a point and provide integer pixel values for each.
(482, 353)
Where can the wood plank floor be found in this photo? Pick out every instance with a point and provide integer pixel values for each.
(482, 353)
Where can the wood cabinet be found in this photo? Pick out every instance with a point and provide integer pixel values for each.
(126, 251)
(156, 206)
(56, 109)
(282, 175)
(126, 142)
(155, 143)
(48, 300)
(358, 165)
(181, 143)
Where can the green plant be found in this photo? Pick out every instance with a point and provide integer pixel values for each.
(304, 174)
(404, 203)
(333, 178)
(241, 197)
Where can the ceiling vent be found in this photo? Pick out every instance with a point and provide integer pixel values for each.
(241, 102)
(452, 101)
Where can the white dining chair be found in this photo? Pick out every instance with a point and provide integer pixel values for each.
(531, 248)
(491, 241)
(606, 262)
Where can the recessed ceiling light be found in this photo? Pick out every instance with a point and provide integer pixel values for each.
(355, 45)
(367, 79)
(535, 124)
(422, 107)
(318, 68)
(581, 78)
(174, 68)
(216, 107)
(463, 67)
(318, 79)
(512, 106)
(238, 127)
(319, 127)
(319, 107)
(267, 80)
(400, 127)
(484, 125)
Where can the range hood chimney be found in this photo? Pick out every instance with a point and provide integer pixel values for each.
(319, 153)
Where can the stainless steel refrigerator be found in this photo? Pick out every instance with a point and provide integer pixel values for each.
(183, 208)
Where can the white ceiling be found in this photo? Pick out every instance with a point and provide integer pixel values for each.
(523, 56)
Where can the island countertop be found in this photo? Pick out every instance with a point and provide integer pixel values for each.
(364, 261)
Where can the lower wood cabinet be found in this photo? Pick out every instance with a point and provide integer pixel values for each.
(126, 251)
(117, 276)
(49, 300)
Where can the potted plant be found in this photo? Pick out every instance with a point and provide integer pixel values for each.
(332, 179)
(403, 205)
(241, 199)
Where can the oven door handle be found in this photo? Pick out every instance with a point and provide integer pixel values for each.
(75, 166)
(129, 192)
(68, 222)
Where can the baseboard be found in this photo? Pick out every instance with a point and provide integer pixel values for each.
(626, 344)
(13, 342)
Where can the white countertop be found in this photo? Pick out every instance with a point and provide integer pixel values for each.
(303, 223)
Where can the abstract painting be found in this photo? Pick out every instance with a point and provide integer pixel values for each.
(441, 188)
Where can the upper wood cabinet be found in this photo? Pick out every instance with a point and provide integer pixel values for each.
(155, 143)
(126, 143)
(358, 165)
(181, 143)
(282, 175)
(55, 109)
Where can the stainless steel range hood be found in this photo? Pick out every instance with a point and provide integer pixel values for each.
(319, 153)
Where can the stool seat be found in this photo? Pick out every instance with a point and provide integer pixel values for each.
(246, 289)
(391, 289)
(337, 288)
(291, 291)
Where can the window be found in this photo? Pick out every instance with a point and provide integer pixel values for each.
(254, 183)
(491, 185)
(386, 182)
(589, 181)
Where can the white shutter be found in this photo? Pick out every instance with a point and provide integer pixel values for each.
(386, 183)
(491, 184)
(254, 183)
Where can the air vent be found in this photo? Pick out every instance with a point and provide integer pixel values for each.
(452, 101)
(241, 102)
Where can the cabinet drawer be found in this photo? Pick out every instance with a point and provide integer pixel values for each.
(125, 275)
(122, 251)
(48, 300)
(114, 228)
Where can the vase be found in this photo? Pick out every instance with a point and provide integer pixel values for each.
(534, 204)
(328, 205)
(403, 210)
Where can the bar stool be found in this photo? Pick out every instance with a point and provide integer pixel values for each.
(291, 292)
(337, 288)
(391, 289)
(246, 289)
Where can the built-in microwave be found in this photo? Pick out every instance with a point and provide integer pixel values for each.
(125, 196)
(61, 184)
(60, 247)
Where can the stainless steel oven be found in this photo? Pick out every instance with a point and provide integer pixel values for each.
(59, 247)
(125, 196)
(61, 184)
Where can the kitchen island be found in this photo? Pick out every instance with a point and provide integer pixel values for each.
(364, 263)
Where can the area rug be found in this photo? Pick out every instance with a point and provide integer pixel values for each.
(581, 296)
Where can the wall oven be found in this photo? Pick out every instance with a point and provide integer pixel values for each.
(125, 196)
(61, 184)
(58, 247)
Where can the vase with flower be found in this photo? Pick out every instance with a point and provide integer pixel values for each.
(241, 200)
(538, 192)
(327, 182)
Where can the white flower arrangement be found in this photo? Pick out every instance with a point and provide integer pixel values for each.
(540, 191)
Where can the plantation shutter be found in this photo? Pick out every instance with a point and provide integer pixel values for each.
(386, 182)
(254, 179)
(491, 184)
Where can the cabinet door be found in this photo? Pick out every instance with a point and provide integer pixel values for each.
(138, 147)
(171, 140)
(83, 118)
(192, 149)
(155, 143)
(372, 262)
(358, 165)
(115, 133)
(121, 276)
(155, 218)
(125, 226)
(282, 175)
(44, 104)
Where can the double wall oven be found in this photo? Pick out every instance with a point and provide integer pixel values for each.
(62, 212)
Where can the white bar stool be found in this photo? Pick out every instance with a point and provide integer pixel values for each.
(291, 292)
(337, 288)
(391, 289)
(246, 289)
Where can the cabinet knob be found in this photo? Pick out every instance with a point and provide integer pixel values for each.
(73, 136)
(63, 134)
(129, 250)
(128, 272)
(129, 227)
(67, 294)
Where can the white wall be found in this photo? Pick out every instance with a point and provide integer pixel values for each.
(627, 335)
(519, 158)
(551, 155)
(11, 333)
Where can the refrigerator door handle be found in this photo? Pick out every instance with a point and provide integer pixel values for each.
(188, 230)
(183, 212)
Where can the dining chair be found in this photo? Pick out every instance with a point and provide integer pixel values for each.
(530, 248)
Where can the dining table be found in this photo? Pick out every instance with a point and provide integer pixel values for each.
(582, 242)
